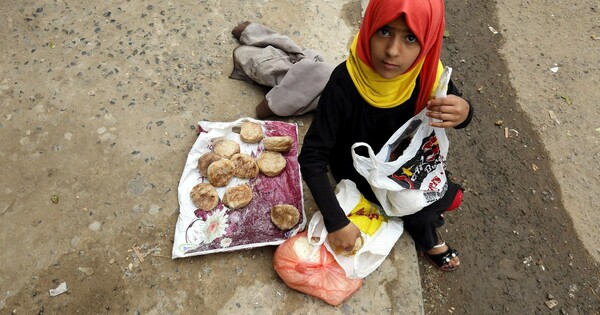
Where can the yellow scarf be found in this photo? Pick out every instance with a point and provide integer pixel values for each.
(381, 92)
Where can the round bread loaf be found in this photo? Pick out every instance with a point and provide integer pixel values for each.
(285, 217)
(278, 143)
(220, 172)
(251, 132)
(358, 244)
(237, 197)
(271, 163)
(204, 196)
(226, 148)
(245, 166)
(205, 160)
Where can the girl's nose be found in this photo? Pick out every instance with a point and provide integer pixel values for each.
(393, 48)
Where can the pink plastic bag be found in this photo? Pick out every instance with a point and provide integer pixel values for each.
(313, 270)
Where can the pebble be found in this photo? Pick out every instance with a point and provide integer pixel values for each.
(136, 186)
(87, 270)
(24, 141)
(95, 226)
(105, 137)
(137, 208)
(154, 209)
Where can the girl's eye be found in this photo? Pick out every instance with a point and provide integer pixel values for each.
(384, 32)
(411, 38)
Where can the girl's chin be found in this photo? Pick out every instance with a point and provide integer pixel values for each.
(388, 74)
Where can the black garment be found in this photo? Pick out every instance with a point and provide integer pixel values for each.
(343, 118)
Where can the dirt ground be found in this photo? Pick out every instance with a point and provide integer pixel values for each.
(99, 105)
(528, 229)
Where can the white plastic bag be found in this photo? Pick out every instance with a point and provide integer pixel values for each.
(376, 246)
(417, 177)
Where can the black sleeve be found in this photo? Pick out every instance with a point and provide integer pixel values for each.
(314, 158)
(324, 195)
(452, 89)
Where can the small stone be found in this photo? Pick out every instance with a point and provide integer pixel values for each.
(499, 123)
(154, 209)
(95, 226)
(137, 208)
(87, 270)
(136, 186)
(54, 199)
(106, 137)
(75, 241)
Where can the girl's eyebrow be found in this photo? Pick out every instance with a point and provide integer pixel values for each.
(403, 28)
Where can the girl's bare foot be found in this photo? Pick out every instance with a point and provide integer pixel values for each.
(237, 31)
(263, 111)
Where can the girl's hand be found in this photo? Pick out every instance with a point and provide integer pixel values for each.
(343, 240)
(452, 110)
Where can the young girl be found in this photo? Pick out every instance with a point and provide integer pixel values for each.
(390, 75)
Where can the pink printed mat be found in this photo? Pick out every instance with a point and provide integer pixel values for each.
(200, 232)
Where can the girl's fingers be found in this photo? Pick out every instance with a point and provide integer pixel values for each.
(442, 108)
(441, 115)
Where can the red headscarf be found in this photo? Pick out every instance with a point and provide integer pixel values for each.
(425, 18)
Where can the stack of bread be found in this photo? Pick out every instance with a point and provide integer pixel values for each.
(225, 162)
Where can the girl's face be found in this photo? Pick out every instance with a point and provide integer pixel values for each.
(394, 49)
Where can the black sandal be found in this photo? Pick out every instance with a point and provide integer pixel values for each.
(442, 260)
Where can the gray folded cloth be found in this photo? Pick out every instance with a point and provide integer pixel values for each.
(297, 76)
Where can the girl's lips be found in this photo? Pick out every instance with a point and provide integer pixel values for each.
(389, 65)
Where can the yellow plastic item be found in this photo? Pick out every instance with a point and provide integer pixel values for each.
(366, 217)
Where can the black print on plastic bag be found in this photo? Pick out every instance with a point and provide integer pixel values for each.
(432, 196)
(412, 174)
